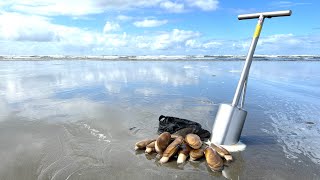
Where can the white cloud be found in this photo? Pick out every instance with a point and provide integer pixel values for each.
(86, 7)
(150, 23)
(191, 43)
(242, 11)
(28, 34)
(206, 5)
(289, 39)
(211, 44)
(282, 44)
(17, 27)
(194, 44)
(287, 4)
(110, 26)
(73, 7)
(31, 34)
(174, 39)
(126, 4)
(123, 18)
(172, 6)
(114, 40)
(20, 27)
(55, 7)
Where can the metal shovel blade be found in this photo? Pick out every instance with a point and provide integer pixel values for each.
(228, 125)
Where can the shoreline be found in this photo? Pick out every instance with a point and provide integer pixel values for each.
(163, 58)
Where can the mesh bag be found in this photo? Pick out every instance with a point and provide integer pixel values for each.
(173, 124)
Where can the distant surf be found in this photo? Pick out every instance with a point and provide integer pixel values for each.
(165, 57)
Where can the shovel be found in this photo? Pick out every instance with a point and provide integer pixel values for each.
(230, 118)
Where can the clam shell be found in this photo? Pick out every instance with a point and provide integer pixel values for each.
(185, 148)
(193, 141)
(162, 142)
(196, 154)
(183, 153)
(222, 152)
(181, 158)
(150, 147)
(171, 149)
(214, 161)
(142, 144)
(182, 132)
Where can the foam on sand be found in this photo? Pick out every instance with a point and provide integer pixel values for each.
(240, 146)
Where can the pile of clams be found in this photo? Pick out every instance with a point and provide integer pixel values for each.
(185, 145)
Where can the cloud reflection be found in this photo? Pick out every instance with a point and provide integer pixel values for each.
(69, 90)
(42, 80)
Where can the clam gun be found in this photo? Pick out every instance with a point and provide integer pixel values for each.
(230, 118)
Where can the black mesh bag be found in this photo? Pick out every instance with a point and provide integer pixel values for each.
(173, 124)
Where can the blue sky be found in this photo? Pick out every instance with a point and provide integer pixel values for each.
(158, 27)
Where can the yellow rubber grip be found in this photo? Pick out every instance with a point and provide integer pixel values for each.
(257, 31)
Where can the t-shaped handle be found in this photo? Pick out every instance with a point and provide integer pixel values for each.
(265, 14)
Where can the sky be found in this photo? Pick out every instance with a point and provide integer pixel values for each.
(155, 27)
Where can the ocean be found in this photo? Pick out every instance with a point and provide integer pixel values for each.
(79, 118)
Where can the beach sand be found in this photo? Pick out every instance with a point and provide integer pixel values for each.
(80, 119)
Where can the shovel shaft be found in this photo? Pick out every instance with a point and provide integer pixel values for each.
(246, 68)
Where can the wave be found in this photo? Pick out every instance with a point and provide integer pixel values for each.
(165, 57)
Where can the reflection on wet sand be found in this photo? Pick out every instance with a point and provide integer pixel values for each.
(80, 120)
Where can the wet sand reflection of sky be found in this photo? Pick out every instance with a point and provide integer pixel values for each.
(87, 108)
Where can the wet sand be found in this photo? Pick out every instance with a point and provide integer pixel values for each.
(81, 119)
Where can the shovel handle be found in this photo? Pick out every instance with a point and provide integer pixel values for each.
(265, 14)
